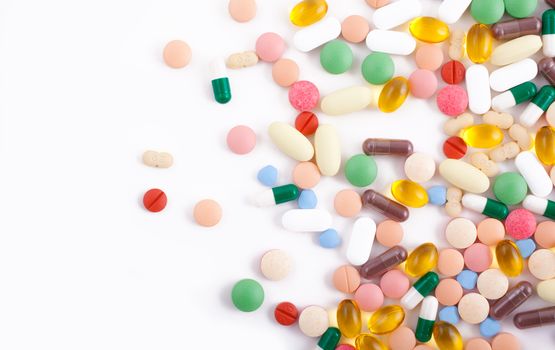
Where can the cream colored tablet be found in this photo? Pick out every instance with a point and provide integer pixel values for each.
(290, 141)
(464, 176)
(516, 50)
(328, 150)
(347, 100)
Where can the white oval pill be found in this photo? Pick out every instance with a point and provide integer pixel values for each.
(396, 13)
(391, 42)
(464, 176)
(492, 284)
(546, 290)
(347, 100)
(513, 74)
(328, 150)
(450, 11)
(306, 220)
(477, 88)
(542, 264)
(361, 241)
(290, 141)
(534, 173)
(515, 50)
(309, 38)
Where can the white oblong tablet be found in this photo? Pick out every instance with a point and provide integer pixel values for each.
(477, 88)
(306, 220)
(513, 74)
(464, 176)
(516, 50)
(290, 141)
(396, 13)
(347, 100)
(309, 38)
(361, 241)
(450, 11)
(328, 150)
(534, 173)
(391, 42)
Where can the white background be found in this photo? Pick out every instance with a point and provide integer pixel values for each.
(83, 92)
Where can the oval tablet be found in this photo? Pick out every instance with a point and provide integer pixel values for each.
(450, 11)
(391, 42)
(534, 173)
(516, 50)
(306, 220)
(464, 176)
(396, 13)
(513, 74)
(290, 141)
(309, 38)
(328, 150)
(347, 100)
(361, 241)
(478, 89)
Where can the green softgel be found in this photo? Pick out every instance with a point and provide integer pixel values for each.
(521, 8)
(510, 188)
(336, 57)
(247, 295)
(361, 170)
(487, 11)
(378, 68)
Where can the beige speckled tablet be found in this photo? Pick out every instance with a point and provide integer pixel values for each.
(157, 159)
(492, 284)
(314, 321)
(461, 233)
(275, 265)
(542, 264)
(473, 308)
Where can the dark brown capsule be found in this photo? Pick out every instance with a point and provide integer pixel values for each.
(516, 28)
(385, 146)
(387, 260)
(550, 3)
(535, 318)
(547, 68)
(511, 300)
(385, 206)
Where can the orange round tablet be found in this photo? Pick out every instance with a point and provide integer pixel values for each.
(545, 234)
(389, 233)
(429, 57)
(346, 279)
(347, 203)
(177, 54)
(285, 72)
(505, 341)
(477, 344)
(207, 213)
(242, 10)
(490, 231)
(306, 175)
(448, 292)
(402, 338)
(355, 28)
(450, 262)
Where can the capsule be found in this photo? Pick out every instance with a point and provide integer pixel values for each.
(409, 193)
(329, 340)
(277, 195)
(387, 260)
(386, 319)
(540, 206)
(373, 147)
(393, 94)
(479, 43)
(308, 12)
(447, 336)
(547, 69)
(515, 28)
(482, 136)
(220, 82)
(349, 319)
(486, 206)
(421, 260)
(535, 318)
(369, 342)
(548, 33)
(545, 145)
(385, 206)
(539, 104)
(426, 319)
(509, 258)
(550, 2)
(511, 300)
(517, 95)
(429, 29)
(420, 289)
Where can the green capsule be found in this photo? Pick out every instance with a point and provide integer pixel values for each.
(285, 193)
(220, 82)
(330, 339)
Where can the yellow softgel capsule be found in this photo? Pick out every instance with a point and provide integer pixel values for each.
(393, 94)
(349, 318)
(421, 260)
(308, 12)
(545, 145)
(479, 42)
(386, 319)
(409, 193)
(447, 336)
(369, 342)
(429, 29)
(509, 258)
(483, 136)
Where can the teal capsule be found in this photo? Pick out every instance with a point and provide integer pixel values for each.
(277, 195)
(420, 289)
(330, 339)
(540, 206)
(220, 82)
(486, 206)
(539, 104)
(517, 95)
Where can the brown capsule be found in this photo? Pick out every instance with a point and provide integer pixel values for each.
(550, 3)
(535, 318)
(385, 146)
(383, 262)
(385, 206)
(511, 300)
(516, 28)
(547, 68)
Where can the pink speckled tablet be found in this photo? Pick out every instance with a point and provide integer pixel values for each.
(369, 297)
(477, 344)
(402, 338)
(452, 100)
(545, 234)
(505, 341)
(422, 83)
(450, 262)
(429, 57)
(241, 139)
(394, 284)
(490, 231)
(389, 233)
(478, 257)
(448, 292)
(303, 95)
(520, 224)
(346, 279)
(270, 47)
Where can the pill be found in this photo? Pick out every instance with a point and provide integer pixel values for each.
(539, 104)
(393, 94)
(450, 262)
(429, 29)
(464, 176)
(534, 173)
(157, 159)
(547, 69)
(177, 54)
(420, 167)
(448, 292)
(473, 308)
(489, 328)
(369, 297)
(385, 206)
(483, 136)
(478, 89)
(327, 149)
(275, 265)
(361, 241)
(546, 290)
(306, 175)
(349, 319)
(516, 95)
(534, 318)
(378, 68)
(396, 13)
(207, 213)
(346, 279)
(355, 28)
(518, 133)
(367, 341)
(389, 233)
(453, 206)
(457, 44)
(290, 141)
(519, 8)
(394, 284)
(347, 100)
(509, 258)
(420, 289)
(545, 234)
(386, 319)
(303, 95)
(155, 200)
(500, 120)
(511, 75)
(429, 57)
(515, 28)
(467, 279)
(542, 264)
(426, 319)
(242, 10)
(437, 195)
(460, 233)
(241, 139)
(306, 12)
(452, 127)
(421, 260)
(486, 206)
(492, 284)
(286, 313)
(313, 321)
(377, 3)
(220, 82)
(276, 195)
(387, 260)
(503, 152)
(505, 341)
(329, 339)
(449, 314)
(402, 338)
(306, 123)
(361, 170)
(545, 145)
(242, 60)
(347, 203)
(285, 72)
(307, 200)
(336, 57)
(479, 42)
(452, 100)
(520, 224)
(267, 175)
(487, 11)
(390, 42)
(329, 239)
(478, 257)
(515, 297)
(516, 50)
(548, 31)
(247, 295)
(309, 38)
(306, 220)
(409, 193)
(447, 337)
(453, 72)
(387, 147)
(450, 11)
(490, 231)
(481, 161)
(526, 247)
(422, 83)
(454, 147)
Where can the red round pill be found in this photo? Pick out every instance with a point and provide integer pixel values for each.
(454, 147)
(453, 72)
(286, 313)
(155, 200)
(306, 123)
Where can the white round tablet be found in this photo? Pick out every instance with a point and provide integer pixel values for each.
(461, 233)
(275, 265)
(542, 264)
(314, 321)
(492, 284)
(420, 167)
(473, 308)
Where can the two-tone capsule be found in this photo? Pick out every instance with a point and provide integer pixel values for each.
(486, 206)
(329, 340)
(277, 195)
(426, 319)
(540, 206)
(421, 288)
(515, 297)
(220, 82)
(387, 260)
(539, 104)
(385, 206)
(548, 33)
(535, 318)
(372, 147)
(517, 95)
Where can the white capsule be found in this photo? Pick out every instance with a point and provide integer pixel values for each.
(396, 13)
(514, 74)
(450, 11)
(306, 220)
(361, 241)
(503, 102)
(548, 45)
(530, 115)
(411, 299)
(428, 310)
(474, 202)
(477, 87)
(391, 42)
(309, 38)
(535, 204)
(534, 173)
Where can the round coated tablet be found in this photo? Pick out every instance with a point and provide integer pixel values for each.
(286, 313)
(242, 10)
(346, 279)
(355, 28)
(285, 72)
(207, 213)
(394, 284)
(420, 167)
(177, 54)
(389, 233)
(545, 234)
(303, 95)
(473, 308)
(422, 83)
(306, 175)
(478, 257)
(247, 295)
(314, 321)
(402, 338)
(505, 341)
(448, 292)
(347, 203)
(369, 297)
(450, 262)
(490, 231)
(542, 264)
(477, 344)
(461, 233)
(275, 265)
(520, 224)
(155, 200)
(492, 284)
(452, 100)
(454, 147)
(307, 123)
(241, 139)
(453, 72)
(270, 47)
(429, 57)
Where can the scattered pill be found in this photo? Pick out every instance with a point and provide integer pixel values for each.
(307, 199)
(473, 308)
(389, 233)
(155, 200)
(490, 231)
(526, 247)
(454, 147)
(346, 279)
(177, 54)
(378, 68)
(542, 264)
(247, 295)
(450, 262)
(453, 72)
(467, 279)
(509, 258)
(285, 72)
(520, 224)
(355, 28)
(394, 284)
(423, 83)
(429, 57)
(492, 284)
(347, 203)
(369, 297)
(242, 60)
(313, 321)
(336, 57)
(275, 265)
(267, 175)
(207, 213)
(157, 159)
(242, 10)
(303, 95)
(306, 175)
(286, 314)
(270, 47)
(420, 167)
(306, 123)
(505, 341)
(510, 188)
(461, 233)
(361, 170)
(241, 139)
(489, 327)
(402, 339)
(329, 239)
(478, 257)
(448, 292)
(545, 234)
(452, 100)
(449, 314)
(437, 195)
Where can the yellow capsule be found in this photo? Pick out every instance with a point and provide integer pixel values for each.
(393, 94)
(409, 193)
(421, 260)
(509, 258)
(386, 319)
(482, 136)
(308, 12)
(429, 29)
(349, 319)
(447, 336)
(369, 342)
(545, 145)
(479, 42)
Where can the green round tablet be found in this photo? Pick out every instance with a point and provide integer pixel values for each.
(336, 57)
(521, 8)
(361, 170)
(510, 188)
(247, 295)
(487, 11)
(378, 68)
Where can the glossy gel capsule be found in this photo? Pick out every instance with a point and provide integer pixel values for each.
(421, 260)
(509, 258)
(447, 336)
(349, 318)
(386, 319)
(429, 29)
(479, 41)
(393, 94)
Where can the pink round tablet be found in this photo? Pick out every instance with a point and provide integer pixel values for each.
(241, 139)
(303, 95)
(389, 233)
(402, 339)
(448, 292)
(450, 262)
(490, 231)
(478, 257)
(270, 47)
(369, 297)
(477, 344)
(423, 83)
(520, 224)
(452, 100)
(394, 284)
(429, 57)
(545, 234)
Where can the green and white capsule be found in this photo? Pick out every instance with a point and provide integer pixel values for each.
(420, 289)
(276, 195)
(329, 340)
(548, 33)
(539, 104)
(220, 82)
(486, 206)
(510, 98)
(540, 206)
(426, 319)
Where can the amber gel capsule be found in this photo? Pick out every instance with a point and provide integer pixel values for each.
(535, 318)
(373, 147)
(349, 318)
(383, 262)
(516, 28)
(385, 206)
(511, 300)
